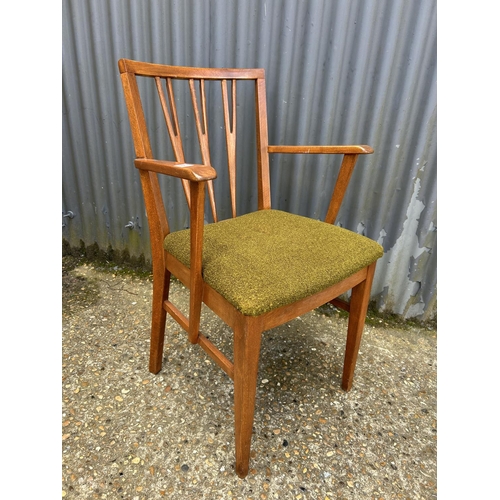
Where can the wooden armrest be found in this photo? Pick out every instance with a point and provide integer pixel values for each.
(188, 171)
(348, 150)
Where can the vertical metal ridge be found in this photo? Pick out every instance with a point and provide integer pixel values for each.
(362, 71)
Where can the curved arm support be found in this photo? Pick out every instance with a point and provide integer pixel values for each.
(350, 153)
(188, 171)
(358, 149)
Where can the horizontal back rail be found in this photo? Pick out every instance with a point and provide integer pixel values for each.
(187, 73)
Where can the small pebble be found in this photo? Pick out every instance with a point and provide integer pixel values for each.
(134, 448)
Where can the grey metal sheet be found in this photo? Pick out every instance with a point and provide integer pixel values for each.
(337, 72)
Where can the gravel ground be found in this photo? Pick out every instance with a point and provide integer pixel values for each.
(129, 434)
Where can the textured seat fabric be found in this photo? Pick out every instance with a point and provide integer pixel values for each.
(269, 258)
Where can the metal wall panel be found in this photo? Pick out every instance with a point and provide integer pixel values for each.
(338, 72)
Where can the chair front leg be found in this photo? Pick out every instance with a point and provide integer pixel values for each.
(247, 335)
(360, 298)
(161, 286)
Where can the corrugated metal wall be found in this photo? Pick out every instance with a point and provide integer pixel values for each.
(338, 72)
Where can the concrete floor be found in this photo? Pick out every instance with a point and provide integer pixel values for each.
(129, 434)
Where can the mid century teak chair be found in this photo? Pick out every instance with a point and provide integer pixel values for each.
(255, 271)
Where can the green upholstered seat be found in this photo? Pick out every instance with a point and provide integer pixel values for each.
(269, 258)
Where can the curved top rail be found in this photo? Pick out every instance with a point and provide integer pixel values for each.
(183, 72)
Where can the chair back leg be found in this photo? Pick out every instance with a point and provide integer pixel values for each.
(360, 298)
(247, 336)
(161, 285)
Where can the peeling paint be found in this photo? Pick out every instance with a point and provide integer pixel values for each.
(393, 287)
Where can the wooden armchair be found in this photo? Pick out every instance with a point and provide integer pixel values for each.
(255, 271)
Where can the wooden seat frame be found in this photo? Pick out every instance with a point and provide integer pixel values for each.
(195, 179)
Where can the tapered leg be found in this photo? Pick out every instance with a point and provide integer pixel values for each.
(360, 298)
(161, 285)
(247, 337)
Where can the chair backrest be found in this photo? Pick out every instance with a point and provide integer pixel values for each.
(196, 80)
